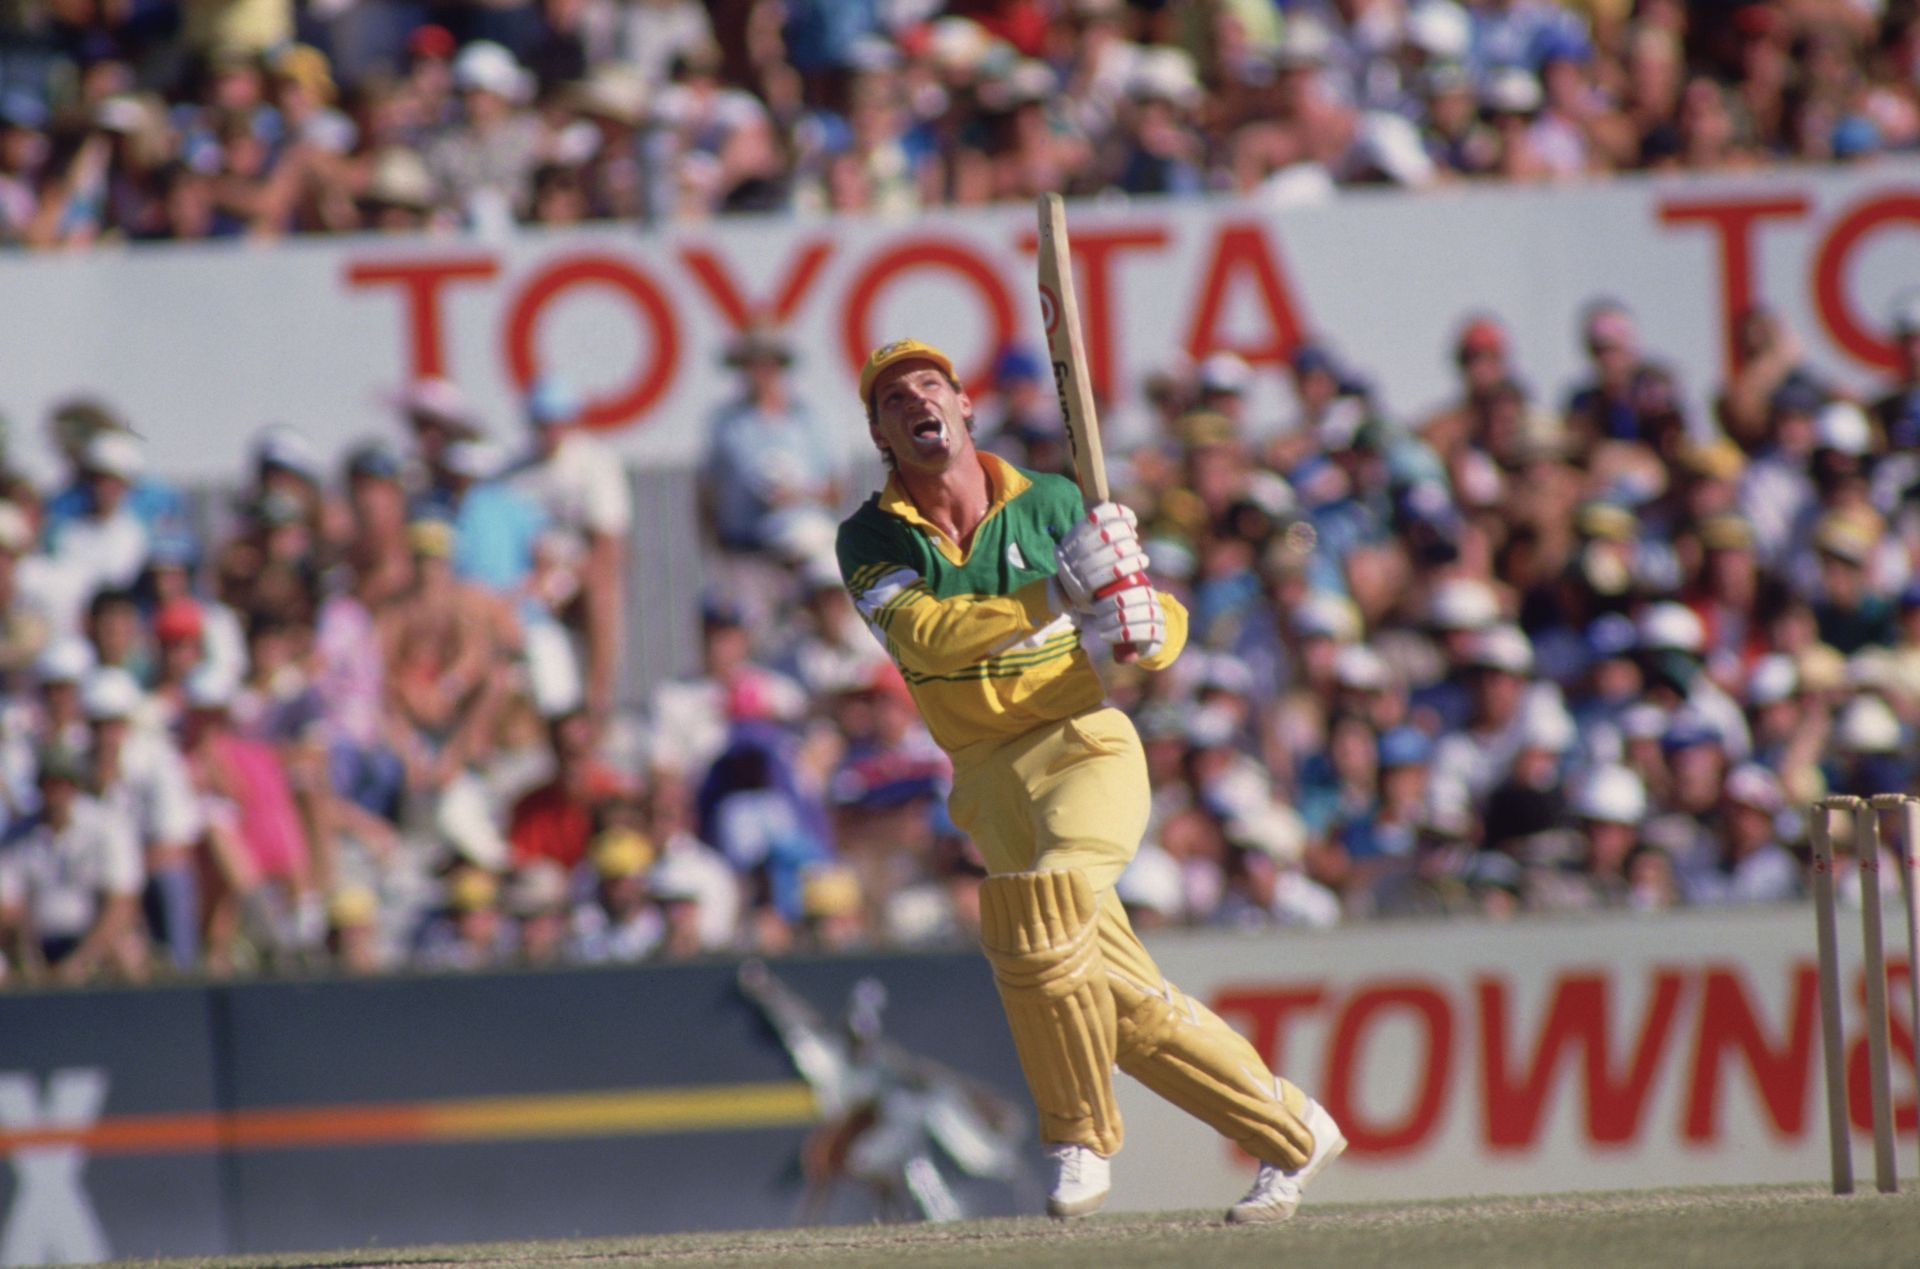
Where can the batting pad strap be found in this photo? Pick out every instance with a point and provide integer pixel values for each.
(1183, 1051)
(1040, 932)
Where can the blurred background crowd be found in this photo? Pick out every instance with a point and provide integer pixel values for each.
(190, 119)
(1515, 655)
(1549, 647)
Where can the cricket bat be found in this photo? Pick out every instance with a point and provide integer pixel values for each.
(1067, 350)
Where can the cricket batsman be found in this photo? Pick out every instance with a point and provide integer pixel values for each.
(980, 578)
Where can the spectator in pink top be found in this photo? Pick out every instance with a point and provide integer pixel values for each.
(259, 845)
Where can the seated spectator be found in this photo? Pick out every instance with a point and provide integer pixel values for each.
(443, 644)
(582, 489)
(263, 862)
(106, 543)
(770, 464)
(621, 924)
(139, 774)
(472, 933)
(538, 897)
(1751, 865)
(1608, 808)
(70, 879)
(557, 819)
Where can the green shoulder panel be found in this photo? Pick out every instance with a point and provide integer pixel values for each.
(871, 542)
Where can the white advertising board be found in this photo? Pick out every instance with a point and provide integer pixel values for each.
(1617, 1052)
(201, 345)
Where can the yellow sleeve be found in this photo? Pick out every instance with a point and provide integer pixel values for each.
(1176, 640)
(938, 636)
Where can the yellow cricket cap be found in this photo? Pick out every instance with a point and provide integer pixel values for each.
(1727, 532)
(892, 355)
(1608, 521)
(621, 852)
(830, 890)
(472, 890)
(352, 906)
(431, 537)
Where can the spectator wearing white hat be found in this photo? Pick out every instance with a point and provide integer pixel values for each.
(1480, 755)
(582, 486)
(140, 773)
(1458, 609)
(437, 414)
(1870, 754)
(485, 168)
(1672, 650)
(1751, 865)
(717, 141)
(159, 505)
(1152, 889)
(1845, 452)
(1609, 805)
(1532, 797)
(107, 545)
(70, 880)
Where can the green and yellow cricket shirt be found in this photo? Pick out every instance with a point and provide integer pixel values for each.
(972, 631)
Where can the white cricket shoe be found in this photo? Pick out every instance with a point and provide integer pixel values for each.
(1081, 1180)
(1275, 1194)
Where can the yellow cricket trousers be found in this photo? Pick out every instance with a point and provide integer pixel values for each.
(1075, 795)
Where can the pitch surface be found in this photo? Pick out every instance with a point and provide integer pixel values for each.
(1767, 1226)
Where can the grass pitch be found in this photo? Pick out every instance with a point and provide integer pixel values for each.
(1792, 1227)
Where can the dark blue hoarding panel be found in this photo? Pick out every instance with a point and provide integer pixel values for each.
(107, 1127)
(464, 1087)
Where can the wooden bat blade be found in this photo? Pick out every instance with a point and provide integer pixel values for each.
(1066, 349)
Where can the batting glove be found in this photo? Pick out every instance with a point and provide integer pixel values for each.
(1130, 620)
(1101, 553)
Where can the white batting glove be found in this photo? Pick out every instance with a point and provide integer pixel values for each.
(1099, 553)
(1130, 621)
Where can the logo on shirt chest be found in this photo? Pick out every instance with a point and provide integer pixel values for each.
(1014, 557)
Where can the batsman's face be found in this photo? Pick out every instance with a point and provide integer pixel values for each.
(920, 417)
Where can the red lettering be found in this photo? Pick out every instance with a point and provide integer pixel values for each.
(420, 283)
(1577, 1018)
(1268, 1012)
(711, 273)
(1732, 222)
(1830, 276)
(916, 255)
(1241, 251)
(624, 279)
(1095, 256)
(1906, 1114)
(1429, 1009)
(1781, 1072)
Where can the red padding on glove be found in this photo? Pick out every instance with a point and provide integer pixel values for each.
(1126, 583)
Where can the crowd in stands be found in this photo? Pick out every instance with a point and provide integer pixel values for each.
(193, 119)
(1503, 658)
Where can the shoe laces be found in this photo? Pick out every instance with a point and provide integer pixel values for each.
(1072, 1161)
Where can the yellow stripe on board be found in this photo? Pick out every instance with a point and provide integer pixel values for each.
(622, 1113)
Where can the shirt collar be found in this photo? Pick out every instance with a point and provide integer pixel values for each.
(1005, 482)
